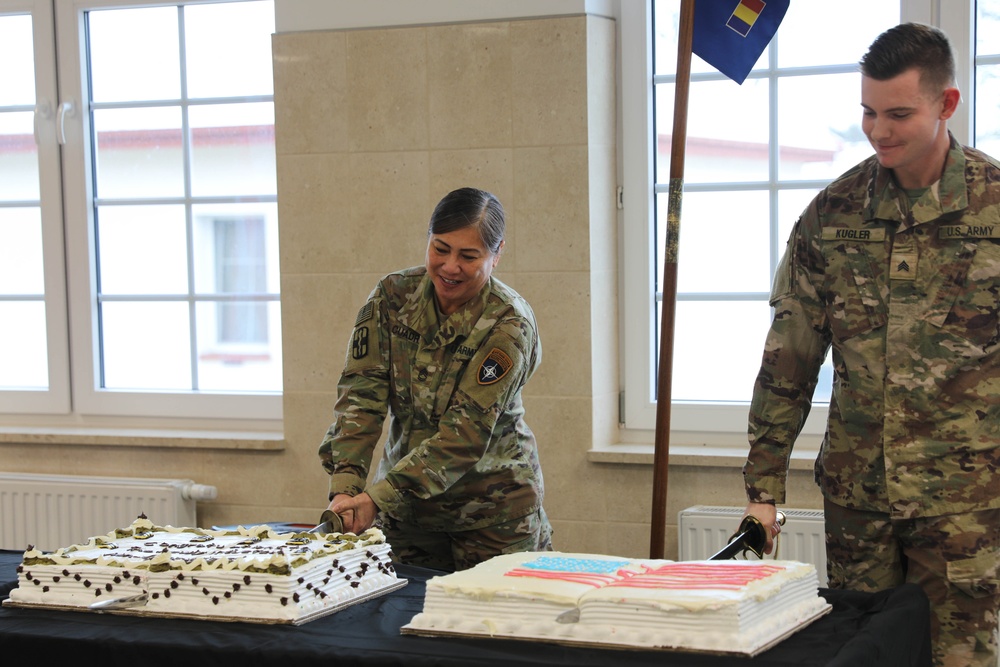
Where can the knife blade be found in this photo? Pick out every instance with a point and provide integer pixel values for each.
(119, 603)
(571, 616)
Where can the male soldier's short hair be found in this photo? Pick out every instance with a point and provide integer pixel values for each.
(908, 46)
(470, 207)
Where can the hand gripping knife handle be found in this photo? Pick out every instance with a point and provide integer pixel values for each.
(750, 537)
(329, 522)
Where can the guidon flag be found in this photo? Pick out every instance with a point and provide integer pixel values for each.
(730, 35)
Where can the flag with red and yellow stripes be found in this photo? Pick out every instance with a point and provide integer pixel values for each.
(730, 35)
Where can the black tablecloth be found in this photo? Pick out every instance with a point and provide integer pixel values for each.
(881, 630)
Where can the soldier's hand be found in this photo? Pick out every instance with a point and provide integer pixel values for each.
(767, 514)
(358, 513)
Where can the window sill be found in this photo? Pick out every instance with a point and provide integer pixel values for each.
(143, 438)
(703, 456)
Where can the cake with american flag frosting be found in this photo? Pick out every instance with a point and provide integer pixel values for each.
(734, 606)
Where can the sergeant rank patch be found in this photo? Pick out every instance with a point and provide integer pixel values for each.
(494, 367)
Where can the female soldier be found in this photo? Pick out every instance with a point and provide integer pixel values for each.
(446, 349)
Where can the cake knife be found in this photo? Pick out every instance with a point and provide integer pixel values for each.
(751, 536)
(119, 603)
(329, 522)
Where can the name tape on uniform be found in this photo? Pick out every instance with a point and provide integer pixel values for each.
(847, 234)
(969, 232)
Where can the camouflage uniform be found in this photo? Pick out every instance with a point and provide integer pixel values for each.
(907, 294)
(458, 455)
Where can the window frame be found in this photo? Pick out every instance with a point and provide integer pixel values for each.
(638, 352)
(75, 398)
(56, 398)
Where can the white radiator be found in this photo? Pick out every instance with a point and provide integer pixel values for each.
(704, 529)
(52, 511)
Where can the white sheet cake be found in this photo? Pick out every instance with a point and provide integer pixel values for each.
(249, 574)
(739, 607)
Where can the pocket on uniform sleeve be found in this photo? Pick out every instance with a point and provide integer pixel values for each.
(978, 576)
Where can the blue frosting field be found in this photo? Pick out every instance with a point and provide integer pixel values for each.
(557, 564)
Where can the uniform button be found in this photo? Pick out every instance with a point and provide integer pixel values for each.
(422, 375)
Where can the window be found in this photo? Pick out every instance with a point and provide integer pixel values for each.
(756, 154)
(158, 268)
(987, 67)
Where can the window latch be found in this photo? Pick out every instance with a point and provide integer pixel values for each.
(65, 109)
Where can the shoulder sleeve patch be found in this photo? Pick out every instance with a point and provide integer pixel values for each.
(360, 343)
(494, 367)
(493, 376)
(365, 313)
(364, 351)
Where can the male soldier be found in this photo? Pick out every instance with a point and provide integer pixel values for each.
(896, 266)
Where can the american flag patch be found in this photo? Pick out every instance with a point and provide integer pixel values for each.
(365, 313)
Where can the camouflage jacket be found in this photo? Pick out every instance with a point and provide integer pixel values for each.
(458, 454)
(908, 297)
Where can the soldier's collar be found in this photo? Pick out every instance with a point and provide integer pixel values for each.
(887, 201)
(420, 314)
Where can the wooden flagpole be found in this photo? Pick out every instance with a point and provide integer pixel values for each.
(678, 139)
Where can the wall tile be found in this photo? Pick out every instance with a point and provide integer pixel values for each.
(587, 537)
(387, 88)
(315, 200)
(561, 302)
(490, 169)
(308, 414)
(318, 313)
(562, 430)
(390, 206)
(549, 81)
(551, 187)
(469, 85)
(310, 92)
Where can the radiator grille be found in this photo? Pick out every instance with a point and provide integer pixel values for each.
(704, 529)
(52, 511)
